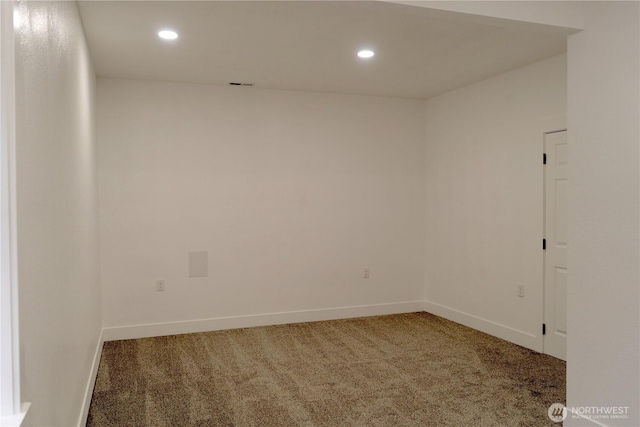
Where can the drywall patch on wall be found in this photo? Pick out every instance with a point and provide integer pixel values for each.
(198, 264)
(292, 194)
(57, 212)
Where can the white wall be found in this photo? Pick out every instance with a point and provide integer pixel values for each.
(604, 286)
(485, 199)
(57, 215)
(566, 14)
(292, 194)
(59, 294)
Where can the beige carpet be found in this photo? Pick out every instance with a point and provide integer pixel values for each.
(401, 370)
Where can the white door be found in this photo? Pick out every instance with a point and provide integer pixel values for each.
(555, 254)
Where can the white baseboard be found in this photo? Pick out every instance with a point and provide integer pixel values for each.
(88, 393)
(215, 324)
(15, 420)
(203, 325)
(504, 332)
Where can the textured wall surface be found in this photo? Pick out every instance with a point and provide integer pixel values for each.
(57, 212)
(604, 287)
(292, 194)
(485, 198)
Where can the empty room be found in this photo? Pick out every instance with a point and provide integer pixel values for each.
(320, 213)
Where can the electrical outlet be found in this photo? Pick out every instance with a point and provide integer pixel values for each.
(521, 291)
(366, 272)
(160, 285)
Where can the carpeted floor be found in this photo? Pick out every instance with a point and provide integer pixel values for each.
(401, 370)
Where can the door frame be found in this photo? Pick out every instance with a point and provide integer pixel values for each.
(551, 126)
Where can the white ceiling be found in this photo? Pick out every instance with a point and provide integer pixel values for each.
(310, 45)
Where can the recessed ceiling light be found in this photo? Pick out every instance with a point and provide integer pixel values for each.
(168, 35)
(366, 53)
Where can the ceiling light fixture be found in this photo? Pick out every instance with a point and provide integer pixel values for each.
(168, 35)
(366, 53)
